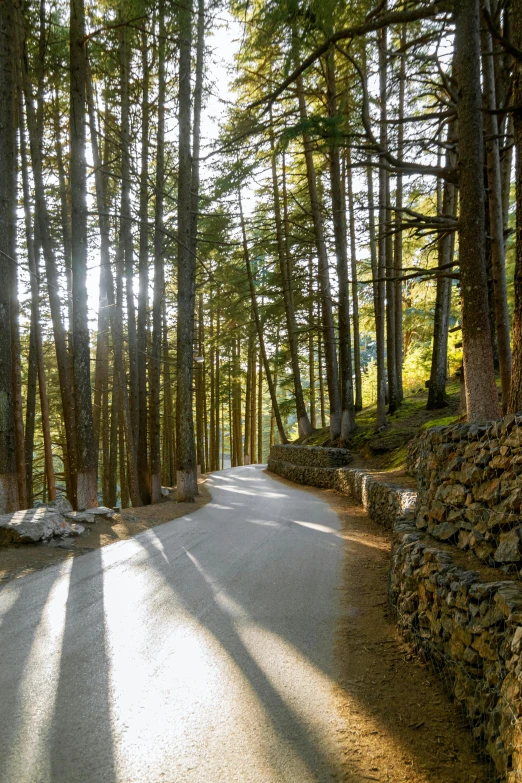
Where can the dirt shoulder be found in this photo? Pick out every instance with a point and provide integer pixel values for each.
(20, 559)
(400, 725)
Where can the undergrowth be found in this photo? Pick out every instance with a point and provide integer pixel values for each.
(386, 448)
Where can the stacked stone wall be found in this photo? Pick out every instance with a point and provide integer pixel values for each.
(311, 456)
(469, 480)
(470, 631)
(463, 618)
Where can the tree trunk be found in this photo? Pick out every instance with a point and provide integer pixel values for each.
(44, 233)
(236, 392)
(248, 402)
(481, 391)
(515, 394)
(112, 492)
(446, 205)
(273, 416)
(321, 382)
(187, 486)
(259, 328)
(36, 330)
(87, 495)
(378, 304)
(385, 225)
(496, 214)
(303, 422)
(17, 392)
(355, 291)
(339, 226)
(397, 247)
(311, 348)
(30, 414)
(200, 390)
(126, 244)
(159, 281)
(168, 416)
(64, 202)
(332, 371)
(144, 476)
(253, 406)
(260, 410)
(217, 396)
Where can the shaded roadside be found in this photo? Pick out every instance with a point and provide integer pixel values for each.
(21, 559)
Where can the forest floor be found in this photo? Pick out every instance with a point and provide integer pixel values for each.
(20, 559)
(384, 451)
(400, 725)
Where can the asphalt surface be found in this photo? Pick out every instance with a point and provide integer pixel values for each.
(202, 650)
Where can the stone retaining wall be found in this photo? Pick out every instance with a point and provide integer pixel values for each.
(466, 625)
(384, 503)
(469, 480)
(311, 456)
(470, 631)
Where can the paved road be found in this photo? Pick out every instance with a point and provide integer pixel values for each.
(202, 650)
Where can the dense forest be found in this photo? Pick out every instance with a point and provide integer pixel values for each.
(352, 230)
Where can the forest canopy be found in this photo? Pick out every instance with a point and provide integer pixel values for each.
(225, 224)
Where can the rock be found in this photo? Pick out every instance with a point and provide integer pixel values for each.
(78, 530)
(100, 511)
(488, 490)
(470, 474)
(165, 492)
(438, 511)
(34, 524)
(81, 516)
(516, 642)
(452, 494)
(61, 504)
(445, 531)
(509, 598)
(508, 551)
(61, 543)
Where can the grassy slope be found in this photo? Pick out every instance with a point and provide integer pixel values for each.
(387, 449)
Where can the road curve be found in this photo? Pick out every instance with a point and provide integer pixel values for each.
(200, 651)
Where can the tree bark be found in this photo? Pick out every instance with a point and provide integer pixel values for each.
(44, 233)
(260, 409)
(397, 246)
(187, 486)
(168, 416)
(144, 476)
(125, 227)
(248, 402)
(378, 305)
(355, 290)
(496, 214)
(30, 414)
(481, 392)
(339, 226)
(159, 281)
(200, 390)
(332, 370)
(303, 422)
(115, 315)
(259, 328)
(17, 391)
(515, 394)
(446, 205)
(36, 330)
(87, 495)
(311, 348)
(385, 226)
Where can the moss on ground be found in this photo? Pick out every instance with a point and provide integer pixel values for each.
(386, 448)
